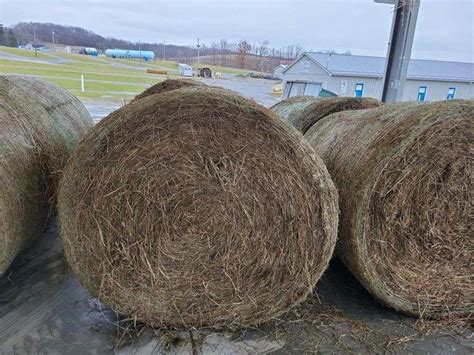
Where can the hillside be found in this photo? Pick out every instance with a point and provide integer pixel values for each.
(76, 36)
(241, 55)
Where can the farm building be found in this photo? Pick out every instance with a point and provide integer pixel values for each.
(89, 51)
(362, 76)
(185, 70)
(278, 71)
(130, 54)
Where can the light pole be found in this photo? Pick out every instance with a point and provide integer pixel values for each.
(52, 35)
(399, 48)
(198, 47)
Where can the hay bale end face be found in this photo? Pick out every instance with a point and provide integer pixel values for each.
(168, 85)
(197, 208)
(304, 111)
(404, 177)
(40, 125)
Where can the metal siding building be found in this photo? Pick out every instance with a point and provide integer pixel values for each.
(351, 75)
(278, 71)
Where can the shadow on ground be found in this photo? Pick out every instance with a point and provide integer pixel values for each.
(44, 310)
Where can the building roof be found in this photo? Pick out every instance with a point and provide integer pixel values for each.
(283, 66)
(365, 66)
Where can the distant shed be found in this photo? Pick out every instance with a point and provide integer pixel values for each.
(185, 70)
(89, 51)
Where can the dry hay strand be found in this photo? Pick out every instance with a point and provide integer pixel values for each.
(304, 111)
(453, 324)
(404, 176)
(168, 85)
(197, 208)
(40, 125)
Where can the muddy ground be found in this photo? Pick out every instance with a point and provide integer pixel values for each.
(44, 310)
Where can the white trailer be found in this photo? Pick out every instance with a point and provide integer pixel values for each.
(185, 70)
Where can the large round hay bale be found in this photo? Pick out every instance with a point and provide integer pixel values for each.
(40, 125)
(285, 108)
(304, 111)
(168, 85)
(404, 177)
(197, 208)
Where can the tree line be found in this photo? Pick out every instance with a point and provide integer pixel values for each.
(242, 54)
(7, 37)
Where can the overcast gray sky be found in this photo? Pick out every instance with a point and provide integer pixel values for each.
(444, 31)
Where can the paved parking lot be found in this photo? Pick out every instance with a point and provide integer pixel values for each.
(44, 310)
(256, 89)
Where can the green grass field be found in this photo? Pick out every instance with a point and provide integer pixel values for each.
(25, 53)
(105, 78)
(89, 75)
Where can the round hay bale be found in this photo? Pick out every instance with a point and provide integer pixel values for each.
(304, 111)
(285, 108)
(40, 125)
(404, 177)
(168, 85)
(197, 208)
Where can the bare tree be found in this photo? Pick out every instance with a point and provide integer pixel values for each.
(243, 50)
(223, 49)
(298, 50)
(214, 49)
(262, 51)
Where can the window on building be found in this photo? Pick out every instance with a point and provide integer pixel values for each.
(422, 94)
(451, 93)
(359, 90)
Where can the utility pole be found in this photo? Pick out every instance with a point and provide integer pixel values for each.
(399, 47)
(52, 35)
(140, 51)
(164, 50)
(198, 47)
(34, 40)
